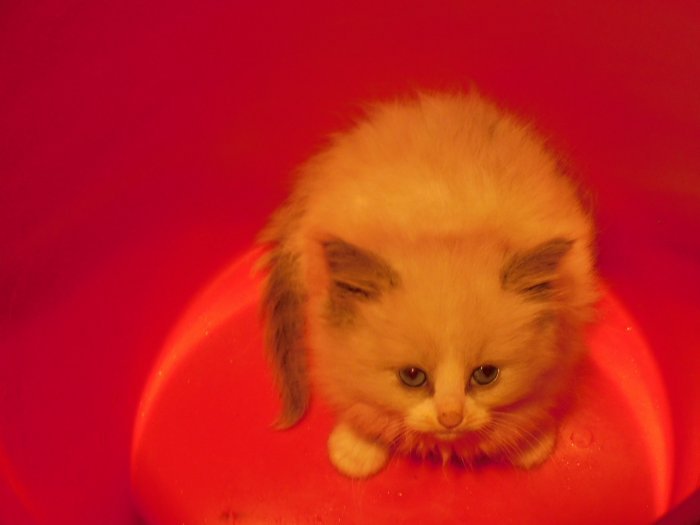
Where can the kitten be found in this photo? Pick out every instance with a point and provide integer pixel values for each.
(430, 276)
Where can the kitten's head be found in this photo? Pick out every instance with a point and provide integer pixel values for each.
(444, 341)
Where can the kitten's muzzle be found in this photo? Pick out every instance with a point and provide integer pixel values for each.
(448, 435)
(450, 419)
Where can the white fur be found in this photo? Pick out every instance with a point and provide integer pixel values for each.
(444, 188)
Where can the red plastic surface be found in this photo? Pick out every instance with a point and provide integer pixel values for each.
(143, 144)
(204, 450)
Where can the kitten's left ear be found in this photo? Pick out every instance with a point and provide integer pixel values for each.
(532, 273)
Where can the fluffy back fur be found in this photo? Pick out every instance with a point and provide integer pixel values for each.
(436, 237)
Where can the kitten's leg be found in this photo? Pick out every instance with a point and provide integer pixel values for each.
(354, 455)
(538, 453)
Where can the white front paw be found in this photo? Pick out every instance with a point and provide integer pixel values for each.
(354, 455)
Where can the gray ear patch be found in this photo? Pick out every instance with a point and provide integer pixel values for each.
(533, 272)
(355, 275)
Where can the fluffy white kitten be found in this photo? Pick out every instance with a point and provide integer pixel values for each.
(429, 278)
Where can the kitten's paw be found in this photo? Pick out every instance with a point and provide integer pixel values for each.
(537, 454)
(354, 455)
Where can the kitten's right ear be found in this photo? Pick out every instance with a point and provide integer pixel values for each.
(356, 276)
(357, 272)
(283, 303)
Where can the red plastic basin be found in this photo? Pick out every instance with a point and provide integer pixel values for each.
(205, 452)
(142, 146)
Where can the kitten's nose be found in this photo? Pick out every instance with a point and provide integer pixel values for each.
(450, 419)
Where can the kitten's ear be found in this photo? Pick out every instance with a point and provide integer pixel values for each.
(532, 273)
(283, 312)
(356, 273)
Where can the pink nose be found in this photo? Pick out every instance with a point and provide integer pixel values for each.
(450, 419)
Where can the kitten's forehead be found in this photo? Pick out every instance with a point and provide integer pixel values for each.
(454, 274)
(452, 305)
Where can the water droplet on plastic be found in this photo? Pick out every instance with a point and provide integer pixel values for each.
(581, 438)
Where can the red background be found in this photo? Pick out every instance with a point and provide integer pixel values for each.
(143, 144)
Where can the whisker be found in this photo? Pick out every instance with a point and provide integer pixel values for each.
(515, 433)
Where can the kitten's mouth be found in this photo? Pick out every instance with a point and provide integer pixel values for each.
(448, 435)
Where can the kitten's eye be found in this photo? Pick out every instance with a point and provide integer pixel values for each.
(413, 377)
(485, 374)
